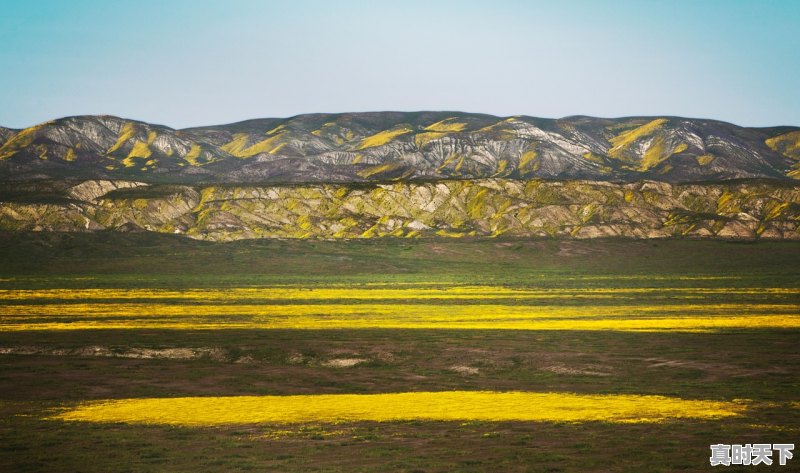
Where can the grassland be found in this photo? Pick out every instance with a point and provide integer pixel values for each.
(392, 355)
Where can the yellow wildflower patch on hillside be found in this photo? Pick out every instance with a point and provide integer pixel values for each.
(125, 134)
(424, 138)
(383, 137)
(140, 150)
(438, 130)
(379, 169)
(278, 128)
(448, 125)
(527, 161)
(787, 144)
(654, 154)
(589, 156)
(239, 147)
(657, 153)
(621, 142)
(20, 140)
(193, 154)
(705, 159)
(505, 126)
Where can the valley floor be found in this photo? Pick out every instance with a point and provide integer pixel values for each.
(142, 352)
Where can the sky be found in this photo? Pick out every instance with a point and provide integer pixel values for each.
(187, 63)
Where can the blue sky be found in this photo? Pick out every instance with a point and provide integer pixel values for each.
(185, 63)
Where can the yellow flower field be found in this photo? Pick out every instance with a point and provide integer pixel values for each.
(653, 324)
(429, 406)
(399, 312)
(401, 307)
(362, 307)
(294, 293)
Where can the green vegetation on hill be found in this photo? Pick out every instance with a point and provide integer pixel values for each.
(440, 209)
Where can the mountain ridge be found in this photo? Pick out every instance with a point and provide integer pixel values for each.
(386, 146)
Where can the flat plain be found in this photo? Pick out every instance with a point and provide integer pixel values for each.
(159, 353)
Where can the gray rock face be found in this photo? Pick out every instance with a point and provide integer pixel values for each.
(393, 146)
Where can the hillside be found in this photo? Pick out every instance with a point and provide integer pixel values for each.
(450, 209)
(385, 146)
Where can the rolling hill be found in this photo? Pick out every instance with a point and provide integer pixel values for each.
(391, 146)
(389, 174)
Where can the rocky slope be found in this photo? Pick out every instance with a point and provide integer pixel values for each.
(386, 146)
(453, 208)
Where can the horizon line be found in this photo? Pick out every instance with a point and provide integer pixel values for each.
(365, 112)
